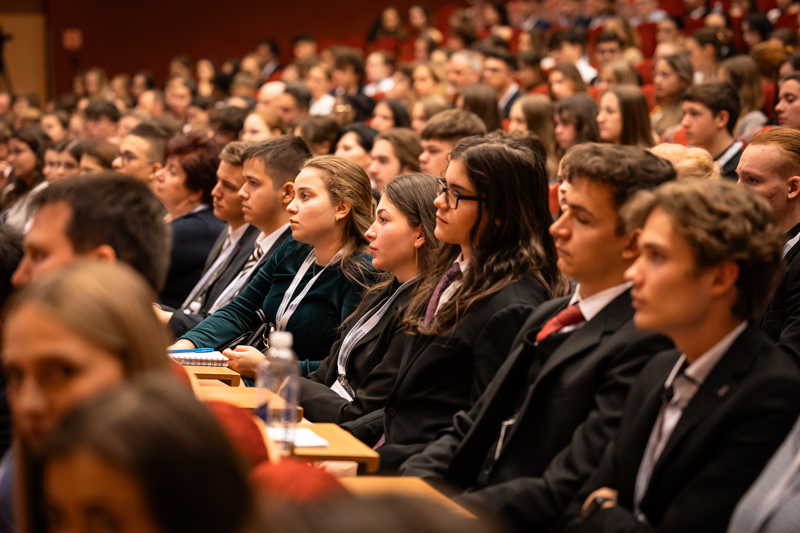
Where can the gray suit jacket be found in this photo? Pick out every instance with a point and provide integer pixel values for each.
(786, 515)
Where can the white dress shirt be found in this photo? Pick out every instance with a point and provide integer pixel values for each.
(591, 306)
(448, 293)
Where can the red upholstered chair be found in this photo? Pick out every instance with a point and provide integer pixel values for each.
(540, 89)
(645, 70)
(594, 92)
(553, 200)
(673, 7)
(647, 33)
(769, 99)
(591, 38)
(357, 42)
(387, 44)
(649, 92)
(322, 44)
(243, 431)
(443, 15)
(691, 25)
(295, 481)
(787, 20)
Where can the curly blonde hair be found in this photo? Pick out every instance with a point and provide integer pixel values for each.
(690, 163)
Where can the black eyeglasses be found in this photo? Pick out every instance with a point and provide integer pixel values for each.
(452, 197)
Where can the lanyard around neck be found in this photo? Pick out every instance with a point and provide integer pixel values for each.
(287, 309)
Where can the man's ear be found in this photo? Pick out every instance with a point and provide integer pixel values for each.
(287, 193)
(104, 252)
(721, 120)
(725, 276)
(794, 188)
(631, 250)
(155, 167)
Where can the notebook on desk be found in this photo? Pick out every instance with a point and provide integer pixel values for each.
(199, 358)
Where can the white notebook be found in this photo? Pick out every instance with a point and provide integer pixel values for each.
(200, 358)
(303, 437)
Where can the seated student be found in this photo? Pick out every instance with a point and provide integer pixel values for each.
(710, 112)
(770, 166)
(105, 216)
(293, 104)
(441, 134)
(102, 118)
(144, 442)
(540, 429)
(141, 153)
(92, 324)
(395, 152)
(788, 106)
(355, 143)
(319, 133)
(184, 187)
(701, 421)
(11, 252)
(497, 267)
(26, 149)
(229, 253)
(322, 269)
(358, 374)
(98, 157)
(623, 117)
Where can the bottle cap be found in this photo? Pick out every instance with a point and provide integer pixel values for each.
(280, 339)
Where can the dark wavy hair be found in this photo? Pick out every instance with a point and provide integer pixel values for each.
(199, 159)
(38, 141)
(512, 183)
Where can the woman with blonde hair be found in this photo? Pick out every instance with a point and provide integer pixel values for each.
(616, 72)
(315, 280)
(534, 113)
(690, 163)
(428, 79)
(742, 73)
(262, 124)
(89, 328)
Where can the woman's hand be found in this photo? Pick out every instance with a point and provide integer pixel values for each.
(244, 360)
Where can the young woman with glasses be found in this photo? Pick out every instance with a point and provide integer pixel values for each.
(497, 264)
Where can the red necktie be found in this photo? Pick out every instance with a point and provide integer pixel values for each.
(568, 317)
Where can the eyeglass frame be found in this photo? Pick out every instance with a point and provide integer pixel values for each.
(444, 189)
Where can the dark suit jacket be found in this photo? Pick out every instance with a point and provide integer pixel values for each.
(181, 322)
(193, 235)
(781, 321)
(507, 107)
(727, 433)
(728, 170)
(577, 396)
(441, 375)
(371, 368)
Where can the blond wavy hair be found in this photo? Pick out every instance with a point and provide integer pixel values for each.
(689, 163)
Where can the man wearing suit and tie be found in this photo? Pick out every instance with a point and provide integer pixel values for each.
(540, 429)
(770, 166)
(701, 421)
(254, 181)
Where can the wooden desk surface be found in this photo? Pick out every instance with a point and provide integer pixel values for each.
(342, 446)
(366, 486)
(222, 373)
(244, 397)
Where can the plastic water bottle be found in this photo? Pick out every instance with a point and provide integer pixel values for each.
(278, 390)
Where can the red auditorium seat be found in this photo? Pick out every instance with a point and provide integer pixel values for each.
(649, 92)
(647, 34)
(769, 99)
(645, 70)
(787, 20)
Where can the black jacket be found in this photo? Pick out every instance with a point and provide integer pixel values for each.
(724, 438)
(571, 410)
(441, 375)
(781, 321)
(371, 368)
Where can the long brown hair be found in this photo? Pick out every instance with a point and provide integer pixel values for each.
(636, 129)
(512, 184)
(538, 111)
(344, 180)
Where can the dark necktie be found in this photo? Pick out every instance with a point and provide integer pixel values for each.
(568, 317)
(449, 277)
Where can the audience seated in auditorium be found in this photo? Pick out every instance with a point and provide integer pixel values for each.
(26, 149)
(788, 107)
(463, 68)
(395, 152)
(355, 143)
(623, 117)
(499, 69)
(440, 136)
(141, 153)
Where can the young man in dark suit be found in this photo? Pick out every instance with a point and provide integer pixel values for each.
(770, 166)
(701, 421)
(230, 251)
(540, 429)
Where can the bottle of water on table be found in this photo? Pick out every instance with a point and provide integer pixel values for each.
(278, 389)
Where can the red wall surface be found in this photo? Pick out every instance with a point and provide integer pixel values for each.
(127, 36)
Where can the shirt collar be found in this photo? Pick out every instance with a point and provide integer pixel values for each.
(702, 367)
(511, 91)
(265, 241)
(235, 234)
(463, 264)
(591, 306)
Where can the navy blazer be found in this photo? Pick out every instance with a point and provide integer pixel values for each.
(781, 321)
(193, 236)
(441, 375)
(737, 419)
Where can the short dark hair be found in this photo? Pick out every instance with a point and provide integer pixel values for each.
(625, 169)
(453, 125)
(149, 78)
(317, 129)
(156, 139)
(350, 57)
(364, 133)
(122, 212)
(759, 23)
(302, 38)
(11, 253)
(678, 21)
(283, 157)
(503, 55)
(229, 118)
(300, 93)
(102, 108)
(200, 160)
(705, 36)
(716, 96)
(609, 36)
(272, 44)
(569, 35)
